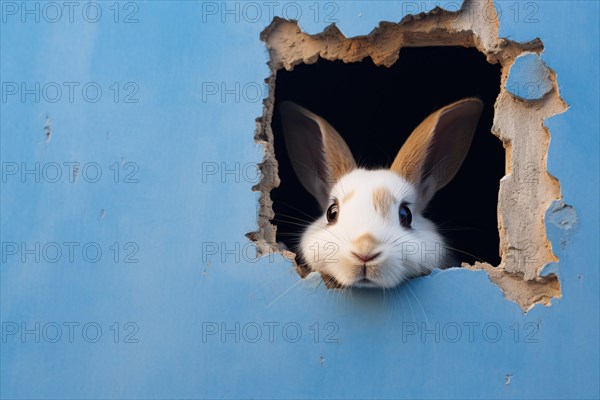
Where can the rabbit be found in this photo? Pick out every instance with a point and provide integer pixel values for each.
(372, 233)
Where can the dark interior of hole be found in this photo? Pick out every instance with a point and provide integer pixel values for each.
(375, 109)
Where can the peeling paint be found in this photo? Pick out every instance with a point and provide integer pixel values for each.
(529, 78)
(562, 222)
(549, 269)
(562, 215)
(526, 293)
(527, 188)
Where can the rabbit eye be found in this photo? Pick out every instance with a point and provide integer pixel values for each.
(332, 213)
(405, 216)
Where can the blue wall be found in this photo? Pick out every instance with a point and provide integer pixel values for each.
(184, 308)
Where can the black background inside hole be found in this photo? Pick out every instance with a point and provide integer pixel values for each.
(375, 109)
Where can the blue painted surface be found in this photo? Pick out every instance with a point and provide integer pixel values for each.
(195, 272)
(529, 79)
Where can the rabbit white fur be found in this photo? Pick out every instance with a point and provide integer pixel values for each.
(372, 232)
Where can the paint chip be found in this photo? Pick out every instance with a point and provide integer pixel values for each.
(529, 78)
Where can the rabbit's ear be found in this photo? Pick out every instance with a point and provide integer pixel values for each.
(318, 153)
(435, 150)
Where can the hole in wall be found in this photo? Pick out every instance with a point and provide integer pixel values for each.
(518, 122)
(375, 108)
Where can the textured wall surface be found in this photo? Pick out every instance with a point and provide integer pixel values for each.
(128, 158)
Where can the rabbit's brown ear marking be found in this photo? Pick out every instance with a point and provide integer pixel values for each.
(319, 155)
(435, 150)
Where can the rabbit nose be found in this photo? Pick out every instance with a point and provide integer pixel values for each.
(367, 257)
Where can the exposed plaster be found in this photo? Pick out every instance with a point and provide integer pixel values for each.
(526, 191)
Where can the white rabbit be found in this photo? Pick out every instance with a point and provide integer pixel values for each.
(372, 232)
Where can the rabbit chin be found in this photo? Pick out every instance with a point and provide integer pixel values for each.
(383, 275)
(387, 272)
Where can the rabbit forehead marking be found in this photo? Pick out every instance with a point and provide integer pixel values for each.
(348, 196)
(363, 183)
(382, 200)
